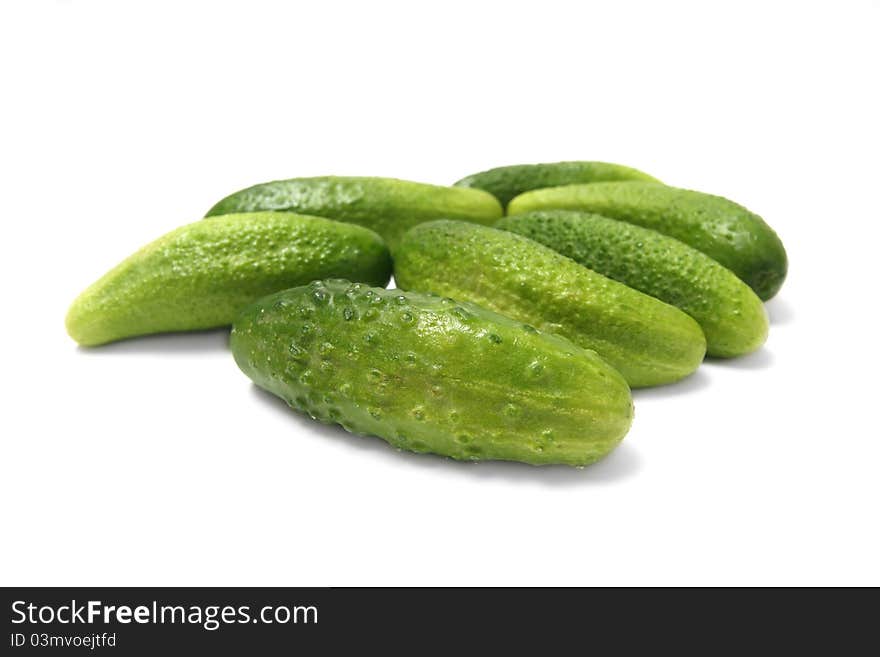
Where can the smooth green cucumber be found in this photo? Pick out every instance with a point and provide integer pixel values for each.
(432, 375)
(646, 340)
(725, 231)
(386, 205)
(731, 315)
(506, 182)
(199, 276)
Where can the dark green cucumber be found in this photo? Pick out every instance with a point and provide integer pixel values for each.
(506, 182)
(432, 375)
(385, 205)
(725, 231)
(646, 340)
(199, 276)
(730, 314)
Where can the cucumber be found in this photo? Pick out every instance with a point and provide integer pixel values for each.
(730, 314)
(646, 340)
(432, 375)
(385, 205)
(738, 239)
(199, 276)
(506, 182)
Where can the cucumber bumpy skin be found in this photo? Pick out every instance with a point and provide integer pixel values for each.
(386, 205)
(507, 182)
(200, 275)
(649, 342)
(730, 314)
(725, 231)
(432, 375)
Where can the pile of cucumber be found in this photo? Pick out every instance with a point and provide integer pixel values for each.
(530, 299)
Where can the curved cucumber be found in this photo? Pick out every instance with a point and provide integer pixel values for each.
(738, 239)
(432, 375)
(199, 276)
(646, 340)
(506, 182)
(730, 314)
(385, 205)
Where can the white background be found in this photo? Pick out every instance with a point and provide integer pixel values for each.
(156, 461)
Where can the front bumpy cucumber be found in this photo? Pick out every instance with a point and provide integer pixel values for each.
(199, 276)
(385, 205)
(432, 375)
(646, 340)
(730, 314)
(725, 231)
(507, 182)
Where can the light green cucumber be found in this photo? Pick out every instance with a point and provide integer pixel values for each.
(432, 375)
(385, 205)
(506, 182)
(725, 231)
(646, 340)
(199, 276)
(730, 314)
